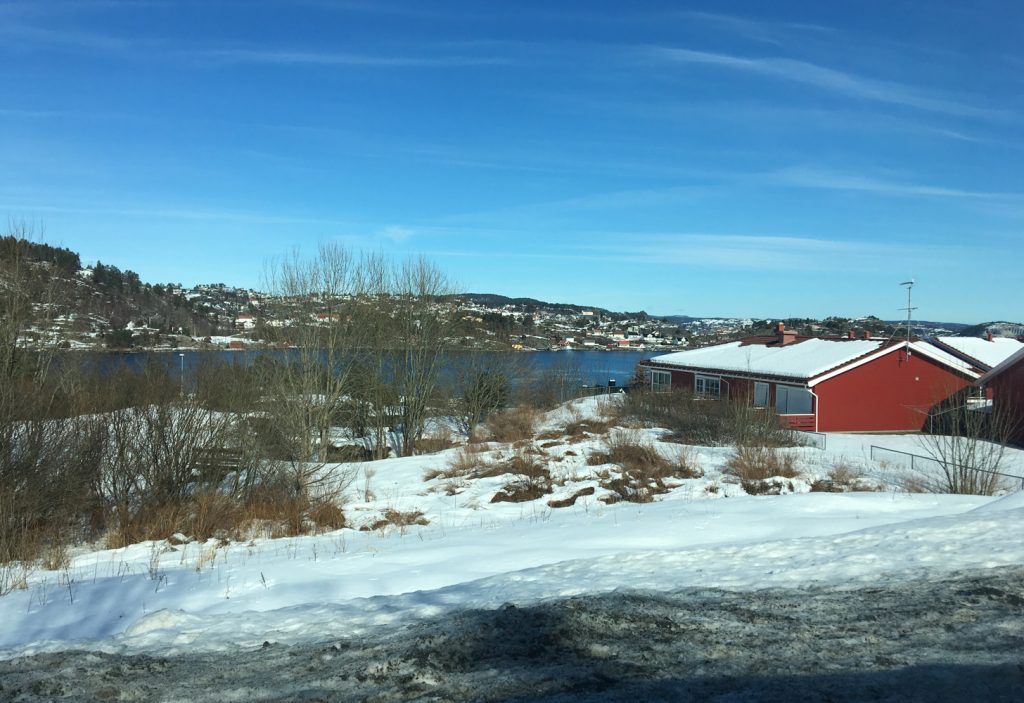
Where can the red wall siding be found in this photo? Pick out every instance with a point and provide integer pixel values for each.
(1008, 396)
(889, 393)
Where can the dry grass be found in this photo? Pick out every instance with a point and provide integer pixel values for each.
(441, 439)
(514, 424)
(842, 477)
(756, 463)
(644, 470)
(271, 510)
(521, 491)
(533, 478)
(571, 500)
(578, 428)
(397, 518)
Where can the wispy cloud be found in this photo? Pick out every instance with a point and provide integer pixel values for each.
(809, 177)
(285, 57)
(175, 213)
(732, 252)
(774, 33)
(397, 233)
(826, 79)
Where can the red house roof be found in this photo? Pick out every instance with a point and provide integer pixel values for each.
(810, 360)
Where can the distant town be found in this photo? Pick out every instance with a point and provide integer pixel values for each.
(99, 306)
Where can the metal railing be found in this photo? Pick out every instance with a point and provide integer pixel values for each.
(818, 440)
(920, 463)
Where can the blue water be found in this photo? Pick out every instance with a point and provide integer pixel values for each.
(592, 367)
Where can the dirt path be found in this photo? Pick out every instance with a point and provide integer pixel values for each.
(959, 639)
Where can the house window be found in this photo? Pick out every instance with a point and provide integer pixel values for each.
(707, 387)
(760, 394)
(792, 400)
(661, 381)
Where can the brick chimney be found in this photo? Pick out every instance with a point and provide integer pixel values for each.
(850, 334)
(988, 335)
(783, 335)
(867, 334)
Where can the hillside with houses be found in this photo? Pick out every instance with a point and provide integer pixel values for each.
(98, 305)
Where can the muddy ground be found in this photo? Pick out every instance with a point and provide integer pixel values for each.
(958, 639)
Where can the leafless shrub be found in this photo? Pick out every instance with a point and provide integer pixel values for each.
(842, 476)
(968, 446)
(533, 480)
(441, 439)
(776, 485)
(644, 470)
(706, 422)
(758, 463)
(514, 424)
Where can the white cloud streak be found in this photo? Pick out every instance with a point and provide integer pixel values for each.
(824, 78)
(283, 57)
(804, 177)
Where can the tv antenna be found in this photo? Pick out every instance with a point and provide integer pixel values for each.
(910, 309)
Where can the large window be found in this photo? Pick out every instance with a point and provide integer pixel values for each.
(792, 400)
(661, 381)
(760, 394)
(707, 387)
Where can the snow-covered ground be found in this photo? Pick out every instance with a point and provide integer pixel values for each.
(705, 532)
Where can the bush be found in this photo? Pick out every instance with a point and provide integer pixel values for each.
(644, 469)
(757, 463)
(513, 425)
(533, 478)
(706, 422)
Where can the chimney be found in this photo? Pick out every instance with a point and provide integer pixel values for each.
(867, 334)
(784, 336)
(850, 334)
(988, 335)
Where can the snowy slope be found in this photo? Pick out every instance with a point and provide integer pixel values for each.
(153, 597)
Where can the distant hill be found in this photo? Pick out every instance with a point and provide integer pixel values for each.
(104, 303)
(998, 329)
(528, 305)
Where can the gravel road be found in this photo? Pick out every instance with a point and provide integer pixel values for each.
(956, 639)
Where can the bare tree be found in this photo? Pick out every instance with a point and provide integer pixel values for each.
(968, 443)
(321, 301)
(422, 322)
(481, 384)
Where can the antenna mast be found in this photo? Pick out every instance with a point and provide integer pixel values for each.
(910, 309)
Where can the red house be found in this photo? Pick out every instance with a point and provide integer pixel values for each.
(1006, 384)
(984, 353)
(822, 384)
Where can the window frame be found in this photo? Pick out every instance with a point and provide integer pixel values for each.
(783, 390)
(767, 394)
(661, 386)
(702, 380)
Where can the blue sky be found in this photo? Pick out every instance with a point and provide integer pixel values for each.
(732, 158)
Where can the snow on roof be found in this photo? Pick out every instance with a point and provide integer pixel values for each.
(800, 359)
(1009, 362)
(944, 357)
(990, 353)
